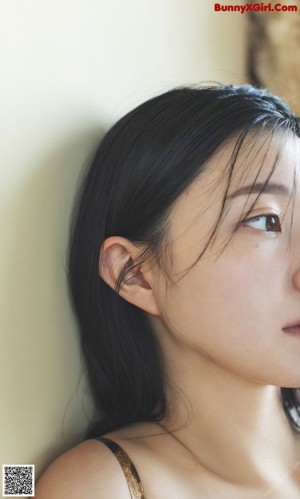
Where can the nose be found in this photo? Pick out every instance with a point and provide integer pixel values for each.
(295, 252)
(296, 279)
(295, 258)
(296, 262)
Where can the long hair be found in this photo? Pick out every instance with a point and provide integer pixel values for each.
(143, 164)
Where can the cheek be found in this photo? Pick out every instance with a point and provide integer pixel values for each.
(228, 300)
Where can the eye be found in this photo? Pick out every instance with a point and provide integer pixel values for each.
(267, 223)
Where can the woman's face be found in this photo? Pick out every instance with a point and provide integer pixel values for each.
(233, 305)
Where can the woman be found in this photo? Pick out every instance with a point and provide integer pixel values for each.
(185, 276)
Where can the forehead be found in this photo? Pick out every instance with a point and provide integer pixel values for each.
(260, 160)
(257, 160)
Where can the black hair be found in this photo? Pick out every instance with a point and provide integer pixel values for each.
(145, 161)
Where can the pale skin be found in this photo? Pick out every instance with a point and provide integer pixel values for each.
(223, 332)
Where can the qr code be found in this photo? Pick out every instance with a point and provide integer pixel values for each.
(18, 480)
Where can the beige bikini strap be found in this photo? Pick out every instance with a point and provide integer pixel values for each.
(133, 480)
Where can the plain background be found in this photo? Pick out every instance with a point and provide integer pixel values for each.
(69, 69)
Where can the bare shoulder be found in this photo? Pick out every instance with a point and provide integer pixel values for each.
(89, 470)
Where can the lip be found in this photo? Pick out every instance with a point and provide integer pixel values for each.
(293, 328)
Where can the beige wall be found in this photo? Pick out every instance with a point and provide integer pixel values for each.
(69, 68)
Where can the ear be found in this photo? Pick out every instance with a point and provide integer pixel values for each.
(117, 253)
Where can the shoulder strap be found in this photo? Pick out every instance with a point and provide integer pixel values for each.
(133, 480)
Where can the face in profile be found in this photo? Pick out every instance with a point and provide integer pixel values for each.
(237, 307)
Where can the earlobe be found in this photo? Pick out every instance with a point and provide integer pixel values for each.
(117, 257)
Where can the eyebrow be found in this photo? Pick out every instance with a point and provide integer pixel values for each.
(269, 188)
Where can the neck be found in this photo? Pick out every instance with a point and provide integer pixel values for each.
(233, 427)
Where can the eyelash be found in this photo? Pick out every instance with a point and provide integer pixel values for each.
(274, 218)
